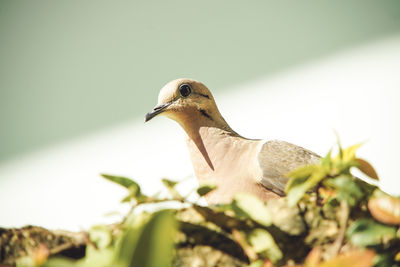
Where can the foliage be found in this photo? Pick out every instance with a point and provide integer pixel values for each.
(328, 218)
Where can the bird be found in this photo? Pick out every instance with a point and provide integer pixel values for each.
(221, 156)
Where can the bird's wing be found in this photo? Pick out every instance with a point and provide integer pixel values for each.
(278, 158)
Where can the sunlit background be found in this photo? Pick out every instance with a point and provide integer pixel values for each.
(77, 77)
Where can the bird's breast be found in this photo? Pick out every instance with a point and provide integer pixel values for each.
(230, 162)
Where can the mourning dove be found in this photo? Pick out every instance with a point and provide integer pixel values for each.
(220, 155)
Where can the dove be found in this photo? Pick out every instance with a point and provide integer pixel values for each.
(221, 156)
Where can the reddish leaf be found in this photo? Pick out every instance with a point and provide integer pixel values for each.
(353, 259)
(367, 168)
(385, 209)
(314, 257)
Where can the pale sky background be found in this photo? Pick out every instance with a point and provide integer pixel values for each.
(78, 77)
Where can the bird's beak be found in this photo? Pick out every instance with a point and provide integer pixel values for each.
(156, 110)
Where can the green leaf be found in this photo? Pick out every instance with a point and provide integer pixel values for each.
(152, 245)
(128, 198)
(169, 183)
(264, 244)
(298, 189)
(385, 259)
(100, 235)
(346, 159)
(103, 257)
(217, 217)
(132, 186)
(249, 206)
(299, 176)
(123, 181)
(339, 144)
(97, 257)
(366, 232)
(128, 241)
(296, 193)
(57, 261)
(349, 154)
(204, 189)
(346, 188)
(222, 207)
(326, 161)
(258, 263)
(286, 218)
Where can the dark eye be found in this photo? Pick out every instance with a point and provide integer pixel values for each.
(185, 89)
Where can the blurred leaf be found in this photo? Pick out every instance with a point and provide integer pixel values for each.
(397, 257)
(59, 262)
(342, 163)
(41, 254)
(36, 258)
(322, 230)
(349, 154)
(204, 189)
(326, 161)
(128, 198)
(367, 168)
(314, 257)
(219, 218)
(366, 188)
(339, 144)
(133, 188)
(240, 238)
(100, 235)
(223, 207)
(94, 257)
(385, 209)
(153, 245)
(296, 190)
(366, 232)
(285, 217)
(299, 176)
(296, 193)
(249, 206)
(136, 221)
(326, 194)
(123, 181)
(170, 185)
(127, 243)
(346, 188)
(258, 263)
(263, 243)
(353, 259)
(385, 259)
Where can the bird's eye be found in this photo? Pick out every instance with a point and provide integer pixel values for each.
(185, 89)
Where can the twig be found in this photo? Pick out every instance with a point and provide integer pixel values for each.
(343, 220)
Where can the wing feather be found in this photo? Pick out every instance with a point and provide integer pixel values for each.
(278, 158)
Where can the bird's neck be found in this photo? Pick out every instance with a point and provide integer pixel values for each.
(204, 144)
(195, 121)
(205, 130)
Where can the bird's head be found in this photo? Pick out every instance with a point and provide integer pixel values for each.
(185, 99)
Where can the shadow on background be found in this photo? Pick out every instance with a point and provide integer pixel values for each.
(71, 67)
